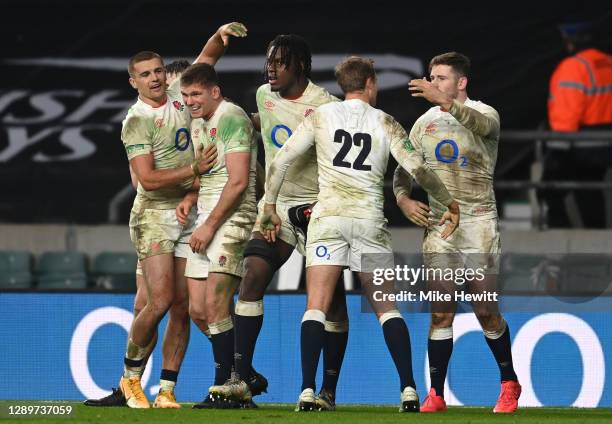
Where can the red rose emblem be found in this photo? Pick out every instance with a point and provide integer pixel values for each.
(178, 105)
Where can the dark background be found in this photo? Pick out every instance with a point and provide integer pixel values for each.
(514, 49)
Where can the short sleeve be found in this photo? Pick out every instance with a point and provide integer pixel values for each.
(136, 137)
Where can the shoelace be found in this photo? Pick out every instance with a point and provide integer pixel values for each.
(137, 390)
(168, 394)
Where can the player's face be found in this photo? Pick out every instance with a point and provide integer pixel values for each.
(446, 80)
(280, 76)
(200, 100)
(149, 78)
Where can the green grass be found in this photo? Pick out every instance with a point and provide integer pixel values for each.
(283, 414)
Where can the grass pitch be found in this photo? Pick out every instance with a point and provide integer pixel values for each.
(284, 414)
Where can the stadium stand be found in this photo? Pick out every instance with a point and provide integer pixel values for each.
(62, 270)
(115, 271)
(15, 270)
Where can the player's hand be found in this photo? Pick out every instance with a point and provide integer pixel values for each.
(418, 213)
(235, 29)
(184, 207)
(452, 215)
(425, 89)
(201, 238)
(270, 223)
(206, 158)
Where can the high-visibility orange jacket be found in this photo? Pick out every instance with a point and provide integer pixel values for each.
(581, 91)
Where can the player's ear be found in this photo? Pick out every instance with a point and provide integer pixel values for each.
(133, 83)
(462, 83)
(216, 92)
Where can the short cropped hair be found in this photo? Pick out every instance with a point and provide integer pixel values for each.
(200, 73)
(460, 63)
(177, 66)
(353, 72)
(141, 57)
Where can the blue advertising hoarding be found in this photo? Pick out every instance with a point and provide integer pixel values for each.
(70, 347)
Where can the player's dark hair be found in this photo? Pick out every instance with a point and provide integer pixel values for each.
(459, 62)
(200, 73)
(294, 54)
(141, 57)
(177, 66)
(353, 72)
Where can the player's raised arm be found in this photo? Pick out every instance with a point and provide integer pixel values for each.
(295, 146)
(217, 44)
(483, 124)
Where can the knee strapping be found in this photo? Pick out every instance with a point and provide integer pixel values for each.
(262, 249)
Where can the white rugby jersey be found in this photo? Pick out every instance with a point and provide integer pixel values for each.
(279, 118)
(353, 141)
(164, 132)
(460, 146)
(232, 132)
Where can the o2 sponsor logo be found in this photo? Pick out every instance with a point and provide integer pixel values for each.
(322, 252)
(443, 155)
(182, 139)
(275, 134)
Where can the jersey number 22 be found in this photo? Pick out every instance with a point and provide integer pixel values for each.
(360, 140)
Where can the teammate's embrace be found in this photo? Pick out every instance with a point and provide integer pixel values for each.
(156, 137)
(458, 139)
(348, 228)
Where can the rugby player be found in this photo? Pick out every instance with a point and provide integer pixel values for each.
(158, 144)
(458, 139)
(283, 102)
(227, 209)
(353, 141)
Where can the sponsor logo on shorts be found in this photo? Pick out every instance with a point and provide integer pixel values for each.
(178, 105)
(222, 260)
(321, 252)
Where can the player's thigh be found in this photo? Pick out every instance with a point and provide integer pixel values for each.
(320, 285)
(196, 288)
(159, 277)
